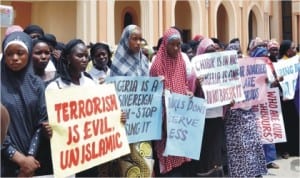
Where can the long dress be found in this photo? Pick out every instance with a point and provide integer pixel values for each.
(244, 150)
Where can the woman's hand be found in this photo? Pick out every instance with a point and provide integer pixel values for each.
(101, 80)
(276, 82)
(232, 102)
(200, 79)
(189, 93)
(28, 166)
(123, 117)
(47, 129)
(162, 78)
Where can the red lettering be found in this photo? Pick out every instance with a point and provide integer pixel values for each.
(57, 108)
(65, 111)
(96, 102)
(69, 158)
(86, 130)
(73, 109)
(81, 108)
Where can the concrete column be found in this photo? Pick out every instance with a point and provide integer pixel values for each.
(86, 24)
(111, 19)
(147, 20)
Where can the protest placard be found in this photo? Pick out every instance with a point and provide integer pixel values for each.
(289, 69)
(221, 74)
(253, 72)
(185, 125)
(87, 130)
(141, 98)
(269, 118)
(6, 15)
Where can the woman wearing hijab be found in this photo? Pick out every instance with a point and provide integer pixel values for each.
(22, 93)
(101, 58)
(34, 31)
(245, 153)
(72, 74)
(170, 65)
(211, 158)
(287, 50)
(273, 80)
(129, 60)
(40, 58)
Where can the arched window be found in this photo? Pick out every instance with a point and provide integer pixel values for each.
(127, 19)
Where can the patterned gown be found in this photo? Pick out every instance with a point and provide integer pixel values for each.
(244, 150)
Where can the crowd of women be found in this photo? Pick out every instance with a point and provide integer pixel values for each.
(33, 62)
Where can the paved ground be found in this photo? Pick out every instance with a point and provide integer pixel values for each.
(288, 168)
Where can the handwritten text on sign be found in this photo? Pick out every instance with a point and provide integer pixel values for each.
(141, 99)
(185, 124)
(86, 128)
(253, 73)
(289, 69)
(221, 73)
(269, 118)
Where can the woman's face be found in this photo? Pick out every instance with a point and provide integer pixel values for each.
(135, 40)
(210, 49)
(100, 57)
(78, 58)
(16, 57)
(274, 52)
(40, 55)
(292, 51)
(173, 47)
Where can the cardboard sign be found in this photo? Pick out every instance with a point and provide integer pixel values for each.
(141, 98)
(253, 72)
(270, 119)
(185, 125)
(7, 15)
(86, 128)
(221, 73)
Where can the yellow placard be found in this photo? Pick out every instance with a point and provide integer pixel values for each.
(86, 128)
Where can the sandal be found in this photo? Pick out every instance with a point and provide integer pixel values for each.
(272, 166)
(285, 155)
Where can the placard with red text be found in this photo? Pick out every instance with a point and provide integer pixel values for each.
(86, 128)
(270, 119)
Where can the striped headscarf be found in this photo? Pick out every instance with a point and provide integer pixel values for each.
(125, 63)
(173, 69)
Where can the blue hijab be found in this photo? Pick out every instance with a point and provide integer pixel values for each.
(260, 52)
(22, 93)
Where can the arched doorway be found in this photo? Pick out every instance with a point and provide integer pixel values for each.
(184, 22)
(252, 26)
(286, 20)
(222, 24)
(126, 13)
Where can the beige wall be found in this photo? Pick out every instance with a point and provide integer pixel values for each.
(56, 17)
(103, 21)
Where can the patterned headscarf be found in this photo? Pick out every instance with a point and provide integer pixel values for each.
(259, 52)
(273, 44)
(125, 63)
(234, 46)
(203, 45)
(13, 28)
(174, 70)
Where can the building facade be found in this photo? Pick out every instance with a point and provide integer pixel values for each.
(104, 20)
